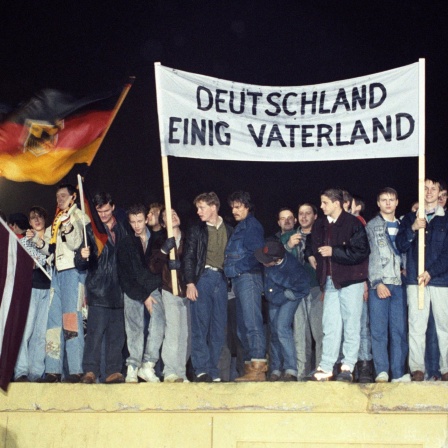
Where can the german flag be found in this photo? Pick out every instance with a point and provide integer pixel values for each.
(43, 139)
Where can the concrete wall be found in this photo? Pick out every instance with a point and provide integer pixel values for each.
(250, 415)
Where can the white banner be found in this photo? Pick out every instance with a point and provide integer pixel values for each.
(374, 116)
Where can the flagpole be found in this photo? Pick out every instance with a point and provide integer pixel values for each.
(115, 110)
(166, 192)
(421, 177)
(83, 208)
(5, 225)
(169, 217)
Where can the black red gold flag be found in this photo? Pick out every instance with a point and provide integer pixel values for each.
(44, 138)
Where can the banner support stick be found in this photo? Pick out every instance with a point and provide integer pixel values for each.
(169, 217)
(421, 178)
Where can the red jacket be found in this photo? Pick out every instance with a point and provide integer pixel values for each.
(349, 261)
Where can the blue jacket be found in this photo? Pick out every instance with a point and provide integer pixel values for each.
(384, 262)
(286, 281)
(436, 248)
(239, 255)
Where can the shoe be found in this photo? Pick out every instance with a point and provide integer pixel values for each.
(216, 380)
(320, 375)
(146, 372)
(345, 375)
(418, 375)
(50, 378)
(445, 377)
(289, 377)
(274, 377)
(115, 378)
(435, 378)
(22, 379)
(382, 377)
(73, 378)
(404, 379)
(256, 371)
(131, 376)
(88, 378)
(173, 378)
(365, 371)
(203, 378)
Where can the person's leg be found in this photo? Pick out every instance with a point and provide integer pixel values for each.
(36, 344)
(285, 335)
(439, 301)
(114, 340)
(201, 311)
(275, 349)
(332, 327)
(175, 341)
(248, 288)
(23, 362)
(379, 327)
(398, 346)
(365, 342)
(184, 341)
(351, 309)
(133, 319)
(302, 339)
(72, 325)
(418, 321)
(315, 308)
(241, 330)
(218, 323)
(54, 342)
(156, 330)
(432, 352)
(97, 321)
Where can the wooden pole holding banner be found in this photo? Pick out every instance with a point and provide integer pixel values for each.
(421, 177)
(167, 196)
(169, 217)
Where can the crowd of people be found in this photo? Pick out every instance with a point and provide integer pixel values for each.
(325, 298)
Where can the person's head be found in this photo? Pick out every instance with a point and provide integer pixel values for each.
(286, 219)
(164, 221)
(241, 204)
(331, 202)
(37, 218)
(347, 202)
(443, 194)
(307, 214)
(105, 207)
(271, 253)
(358, 205)
(387, 201)
(65, 196)
(18, 223)
(153, 215)
(207, 205)
(137, 218)
(432, 190)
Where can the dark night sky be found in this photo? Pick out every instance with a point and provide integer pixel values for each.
(86, 48)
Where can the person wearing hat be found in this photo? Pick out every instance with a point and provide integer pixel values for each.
(286, 282)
